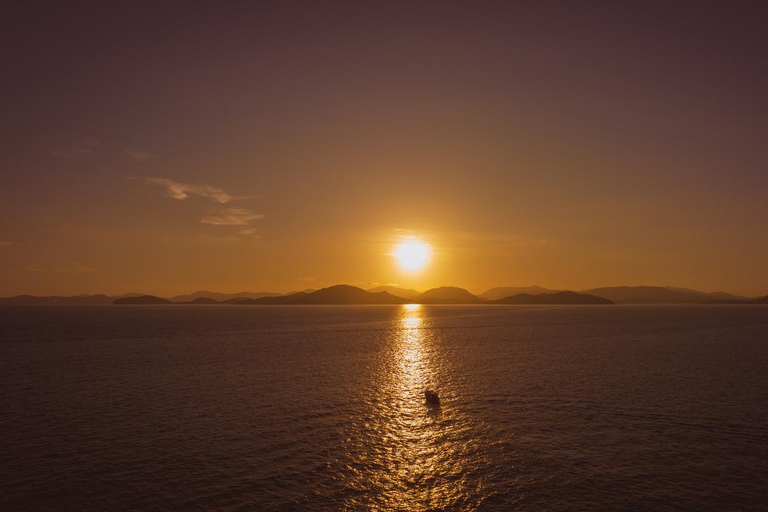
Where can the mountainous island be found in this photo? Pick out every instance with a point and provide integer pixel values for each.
(142, 299)
(554, 299)
(658, 295)
(219, 297)
(406, 293)
(507, 291)
(350, 295)
(346, 294)
(448, 295)
(339, 294)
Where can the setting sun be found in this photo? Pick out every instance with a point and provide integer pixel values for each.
(412, 255)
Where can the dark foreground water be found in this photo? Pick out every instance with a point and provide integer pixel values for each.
(321, 408)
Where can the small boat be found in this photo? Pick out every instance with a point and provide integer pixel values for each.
(431, 397)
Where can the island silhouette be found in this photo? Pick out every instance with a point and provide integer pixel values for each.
(352, 295)
(347, 294)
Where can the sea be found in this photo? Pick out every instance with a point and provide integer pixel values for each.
(321, 408)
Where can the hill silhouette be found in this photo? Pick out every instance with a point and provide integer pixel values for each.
(305, 290)
(201, 300)
(57, 300)
(143, 299)
(559, 298)
(507, 291)
(280, 299)
(345, 294)
(448, 295)
(708, 295)
(220, 297)
(338, 294)
(657, 295)
(406, 293)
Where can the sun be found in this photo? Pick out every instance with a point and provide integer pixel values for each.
(412, 255)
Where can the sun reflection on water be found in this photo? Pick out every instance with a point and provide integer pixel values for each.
(414, 367)
(413, 456)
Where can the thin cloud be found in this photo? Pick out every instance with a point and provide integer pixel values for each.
(68, 268)
(178, 190)
(231, 216)
(81, 149)
(221, 215)
(139, 156)
(249, 232)
(6, 244)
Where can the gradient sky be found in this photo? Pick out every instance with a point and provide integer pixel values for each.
(276, 146)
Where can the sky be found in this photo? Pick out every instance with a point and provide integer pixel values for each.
(275, 146)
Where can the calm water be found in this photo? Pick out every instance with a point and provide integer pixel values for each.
(321, 408)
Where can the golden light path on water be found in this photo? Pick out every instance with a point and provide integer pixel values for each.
(408, 455)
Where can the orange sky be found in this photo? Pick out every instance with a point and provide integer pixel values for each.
(277, 149)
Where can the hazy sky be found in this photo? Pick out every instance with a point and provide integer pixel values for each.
(275, 146)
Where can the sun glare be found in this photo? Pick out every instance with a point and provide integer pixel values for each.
(412, 255)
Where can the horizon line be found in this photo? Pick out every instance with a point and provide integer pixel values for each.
(367, 288)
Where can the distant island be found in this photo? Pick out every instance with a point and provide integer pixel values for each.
(559, 298)
(761, 300)
(220, 297)
(507, 291)
(339, 294)
(143, 299)
(449, 295)
(346, 294)
(352, 295)
(658, 295)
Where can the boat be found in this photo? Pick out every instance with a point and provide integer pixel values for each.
(431, 397)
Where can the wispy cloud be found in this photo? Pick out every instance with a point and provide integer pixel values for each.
(230, 216)
(178, 190)
(83, 148)
(221, 215)
(249, 232)
(139, 156)
(6, 244)
(68, 268)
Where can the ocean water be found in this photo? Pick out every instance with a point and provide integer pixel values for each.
(322, 408)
